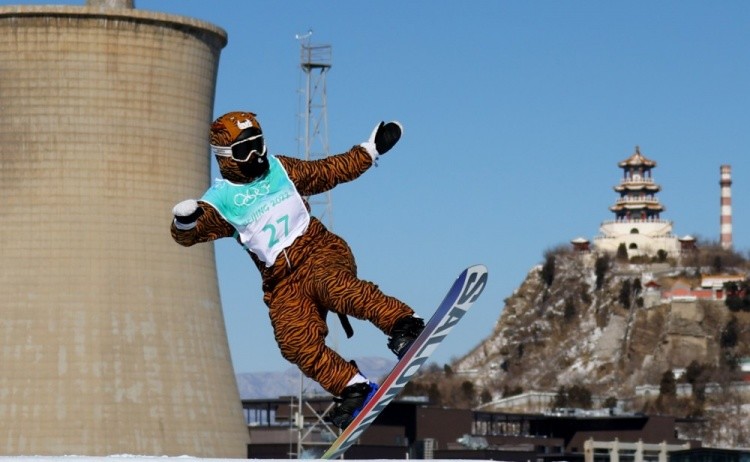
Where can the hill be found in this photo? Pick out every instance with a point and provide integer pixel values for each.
(593, 331)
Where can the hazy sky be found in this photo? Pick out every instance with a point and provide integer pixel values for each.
(515, 114)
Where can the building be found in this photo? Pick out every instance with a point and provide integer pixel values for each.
(688, 244)
(581, 244)
(712, 288)
(413, 429)
(710, 455)
(637, 224)
(113, 338)
(614, 451)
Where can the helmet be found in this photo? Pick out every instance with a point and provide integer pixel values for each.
(237, 135)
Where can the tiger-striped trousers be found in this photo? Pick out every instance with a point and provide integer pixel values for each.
(298, 305)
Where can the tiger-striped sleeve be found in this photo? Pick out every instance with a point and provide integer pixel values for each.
(210, 226)
(317, 176)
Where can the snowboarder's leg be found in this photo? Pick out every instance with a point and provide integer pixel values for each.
(335, 285)
(300, 330)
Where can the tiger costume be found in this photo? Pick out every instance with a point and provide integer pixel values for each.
(306, 270)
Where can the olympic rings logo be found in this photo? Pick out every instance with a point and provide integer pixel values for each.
(252, 194)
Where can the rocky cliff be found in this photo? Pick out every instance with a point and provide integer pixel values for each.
(558, 329)
(588, 322)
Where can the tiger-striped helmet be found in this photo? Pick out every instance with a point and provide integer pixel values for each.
(237, 135)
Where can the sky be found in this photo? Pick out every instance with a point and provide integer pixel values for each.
(515, 116)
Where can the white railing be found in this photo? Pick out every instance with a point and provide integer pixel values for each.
(636, 220)
(631, 179)
(649, 199)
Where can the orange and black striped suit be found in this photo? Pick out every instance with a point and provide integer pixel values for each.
(314, 275)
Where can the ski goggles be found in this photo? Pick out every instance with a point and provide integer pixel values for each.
(249, 142)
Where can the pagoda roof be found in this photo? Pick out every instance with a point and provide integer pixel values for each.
(634, 186)
(637, 206)
(637, 159)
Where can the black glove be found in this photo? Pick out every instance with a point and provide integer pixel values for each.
(383, 138)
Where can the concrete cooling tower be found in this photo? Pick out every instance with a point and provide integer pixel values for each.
(112, 338)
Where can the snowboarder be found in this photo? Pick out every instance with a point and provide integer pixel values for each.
(306, 270)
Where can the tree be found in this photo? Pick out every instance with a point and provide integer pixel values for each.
(575, 396)
(737, 296)
(734, 304)
(625, 291)
(693, 371)
(730, 334)
(696, 376)
(447, 370)
(731, 288)
(517, 390)
(548, 269)
(579, 396)
(711, 254)
(667, 398)
(561, 398)
(661, 255)
(717, 264)
(668, 384)
(600, 269)
(610, 402)
(467, 391)
(433, 394)
(569, 310)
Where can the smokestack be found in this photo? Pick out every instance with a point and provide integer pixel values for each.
(726, 206)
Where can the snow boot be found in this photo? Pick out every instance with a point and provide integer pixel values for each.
(350, 403)
(404, 333)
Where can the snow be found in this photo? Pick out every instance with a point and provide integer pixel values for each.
(132, 458)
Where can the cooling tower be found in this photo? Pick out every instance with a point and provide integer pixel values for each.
(112, 338)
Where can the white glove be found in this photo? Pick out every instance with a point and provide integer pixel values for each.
(186, 214)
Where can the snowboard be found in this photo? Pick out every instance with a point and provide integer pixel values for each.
(464, 292)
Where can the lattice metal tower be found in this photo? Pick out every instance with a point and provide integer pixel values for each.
(312, 143)
(315, 61)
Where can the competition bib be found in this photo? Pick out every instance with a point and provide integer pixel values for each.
(268, 214)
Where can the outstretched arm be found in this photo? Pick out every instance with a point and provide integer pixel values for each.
(197, 221)
(318, 176)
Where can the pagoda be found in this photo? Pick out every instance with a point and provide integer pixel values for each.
(638, 223)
